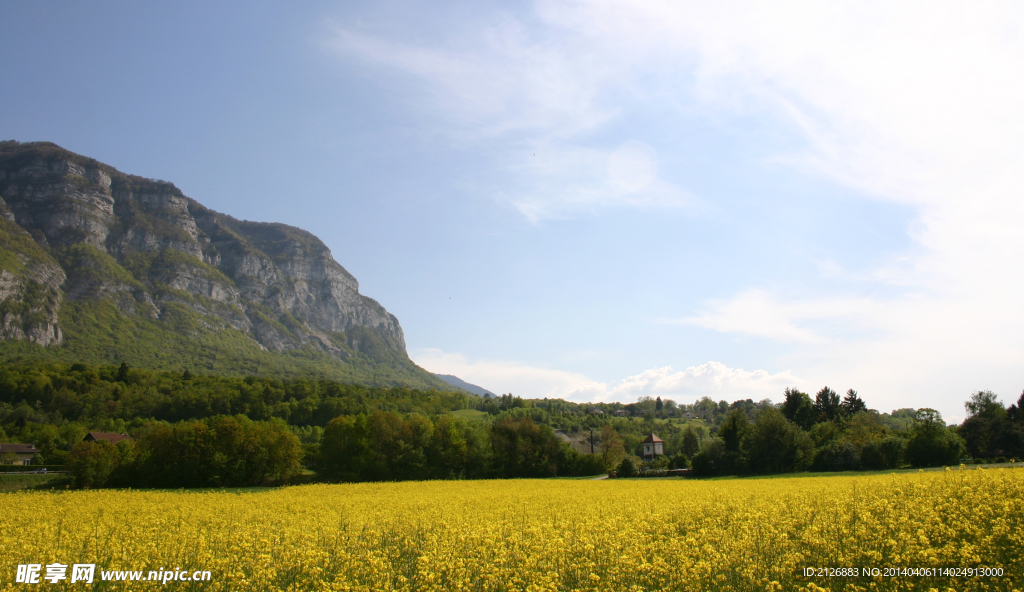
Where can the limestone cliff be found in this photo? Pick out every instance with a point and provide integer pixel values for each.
(79, 239)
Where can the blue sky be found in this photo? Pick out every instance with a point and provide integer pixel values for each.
(594, 200)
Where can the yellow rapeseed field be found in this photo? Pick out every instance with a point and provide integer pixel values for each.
(741, 534)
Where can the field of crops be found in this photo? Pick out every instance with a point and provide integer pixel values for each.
(741, 534)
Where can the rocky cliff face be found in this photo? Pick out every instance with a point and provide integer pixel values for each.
(74, 230)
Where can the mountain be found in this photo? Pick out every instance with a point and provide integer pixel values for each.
(462, 384)
(100, 266)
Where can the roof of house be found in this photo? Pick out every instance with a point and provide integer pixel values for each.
(19, 448)
(652, 438)
(109, 437)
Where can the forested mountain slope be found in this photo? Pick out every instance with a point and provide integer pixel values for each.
(103, 267)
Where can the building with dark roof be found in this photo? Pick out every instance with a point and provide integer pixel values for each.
(17, 454)
(106, 436)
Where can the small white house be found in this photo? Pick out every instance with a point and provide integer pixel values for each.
(653, 446)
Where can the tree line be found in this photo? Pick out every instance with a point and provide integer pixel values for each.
(53, 392)
(218, 451)
(225, 451)
(833, 434)
(384, 446)
(362, 433)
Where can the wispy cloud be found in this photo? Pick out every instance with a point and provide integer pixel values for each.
(784, 319)
(558, 181)
(530, 97)
(498, 81)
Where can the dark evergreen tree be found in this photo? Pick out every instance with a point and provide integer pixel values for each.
(691, 442)
(1016, 411)
(852, 403)
(733, 430)
(826, 404)
(798, 408)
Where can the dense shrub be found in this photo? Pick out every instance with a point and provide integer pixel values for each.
(778, 445)
(627, 468)
(839, 455)
(708, 461)
(887, 453)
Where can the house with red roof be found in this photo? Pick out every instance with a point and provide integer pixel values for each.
(653, 446)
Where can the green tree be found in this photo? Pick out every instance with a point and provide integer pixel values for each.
(826, 404)
(798, 408)
(612, 448)
(406, 441)
(219, 451)
(627, 468)
(931, 443)
(989, 430)
(1016, 411)
(985, 404)
(885, 453)
(449, 449)
(92, 463)
(864, 427)
(852, 403)
(523, 448)
(347, 452)
(837, 455)
(733, 430)
(691, 442)
(679, 461)
(122, 373)
(705, 406)
(707, 462)
(777, 445)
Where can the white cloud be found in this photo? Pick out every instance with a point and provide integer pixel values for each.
(916, 103)
(913, 103)
(753, 313)
(502, 376)
(712, 379)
